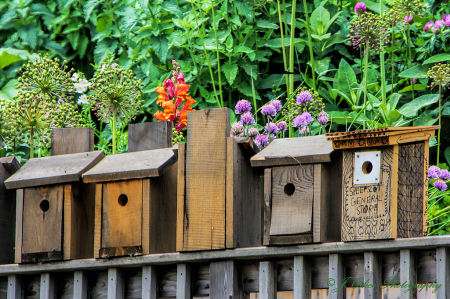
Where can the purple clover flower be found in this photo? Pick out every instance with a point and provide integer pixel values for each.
(282, 126)
(269, 110)
(243, 106)
(428, 26)
(252, 132)
(263, 140)
(440, 185)
(277, 105)
(445, 175)
(304, 96)
(323, 118)
(247, 118)
(446, 19)
(360, 8)
(273, 128)
(303, 130)
(434, 172)
(409, 19)
(438, 24)
(236, 129)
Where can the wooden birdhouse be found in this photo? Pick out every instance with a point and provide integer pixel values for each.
(135, 201)
(384, 182)
(219, 197)
(54, 218)
(301, 190)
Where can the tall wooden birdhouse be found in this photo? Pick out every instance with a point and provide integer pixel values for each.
(219, 198)
(54, 219)
(135, 198)
(301, 190)
(384, 182)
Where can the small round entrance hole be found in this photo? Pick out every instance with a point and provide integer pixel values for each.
(44, 205)
(289, 189)
(367, 167)
(123, 199)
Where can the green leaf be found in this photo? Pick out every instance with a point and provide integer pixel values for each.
(340, 117)
(416, 87)
(321, 38)
(9, 90)
(55, 47)
(230, 70)
(277, 43)
(410, 109)
(83, 42)
(172, 8)
(263, 23)
(103, 48)
(28, 35)
(88, 7)
(128, 20)
(177, 38)
(244, 9)
(334, 39)
(425, 119)
(246, 89)
(8, 16)
(9, 56)
(347, 79)
(437, 58)
(161, 47)
(393, 100)
(243, 49)
(330, 22)
(40, 9)
(418, 72)
(447, 154)
(319, 17)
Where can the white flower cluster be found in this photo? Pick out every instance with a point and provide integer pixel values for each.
(81, 85)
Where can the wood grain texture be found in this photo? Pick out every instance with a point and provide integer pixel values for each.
(133, 282)
(98, 289)
(127, 166)
(7, 219)
(247, 145)
(372, 272)
(294, 151)
(146, 216)
(181, 196)
(292, 214)
(42, 230)
(243, 199)
(98, 220)
(184, 281)
(167, 281)
(11, 164)
(19, 226)
(367, 209)
(267, 280)
(206, 154)
(394, 192)
(200, 279)
(71, 140)
(122, 224)
(53, 170)
(426, 162)
(68, 229)
(443, 272)
(334, 192)
(320, 205)
(116, 288)
(302, 277)
(14, 287)
(64, 285)
(149, 136)
(267, 208)
(48, 286)
(81, 286)
(408, 272)
(224, 280)
(149, 282)
(337, 272)
(291, 239)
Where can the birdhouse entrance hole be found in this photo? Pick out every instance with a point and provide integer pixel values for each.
(367, 167)
(44, 205)
(123, 199)
(289, 189)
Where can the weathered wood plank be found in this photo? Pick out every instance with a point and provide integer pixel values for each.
(133, 282)
(337, 273)
(129, 166)
(99, 285)
(294, 151)
(14, 287)
(372, 273)
(200, 280)
(11, 164)
(80, 285)
(224, 280)
(98, 220)
(64, 285)
(146, 191)
(443, 272)
(48, 286)
(31, 286)
(4, 287)
(247, 145)
(302, 277)
(68, 216)
(267, 205)
(149, 136)
(7, 219)
(116, 288)
(184, 283)
(181, 197)
(19, 226)
(167, 281)
(149, 283)
(408, 272)
(71, 140)
(267, 280)
(53, 170)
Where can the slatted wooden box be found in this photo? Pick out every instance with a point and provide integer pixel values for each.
(301, 191)
(384, 182)
(54, 218)
(219, 193)
(135, 203)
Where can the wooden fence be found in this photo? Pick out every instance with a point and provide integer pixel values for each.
(230, 274)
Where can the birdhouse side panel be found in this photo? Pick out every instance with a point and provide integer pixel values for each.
(121, 214)
(411, 184)
(367, 209)
(42, 220)
(7, 219)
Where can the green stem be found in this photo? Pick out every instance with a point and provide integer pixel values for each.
(365, 79)
(114, 132)
(383, 79)
(392, 59)
(254, 95)
(282, 43)
(291, 50)
(410, 60)
(218, 56)
(31, 144)
(256, 36)
(439, 130)
(311, 52)
(206, 55)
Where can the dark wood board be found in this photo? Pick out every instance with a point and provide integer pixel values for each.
(71, 140)
(53, 170)
(149, 136)
(7, 219)
(128, 166)
(10, 163)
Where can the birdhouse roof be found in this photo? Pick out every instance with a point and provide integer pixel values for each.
(53, 170)
(135, 165)
(291, 151)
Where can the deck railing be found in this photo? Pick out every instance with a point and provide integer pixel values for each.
(225, 274)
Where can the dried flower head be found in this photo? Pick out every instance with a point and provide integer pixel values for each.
(408, 7)
(439, 75)
(368, 29)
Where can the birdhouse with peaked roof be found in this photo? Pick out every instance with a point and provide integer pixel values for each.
(384, 182)
(54, 219)
(301, 190)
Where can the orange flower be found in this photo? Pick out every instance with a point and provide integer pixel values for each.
(161, 90)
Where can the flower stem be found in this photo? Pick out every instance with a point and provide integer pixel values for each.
(114, 132)
(383, 79)
(366, 48)
(311, 52)
(31, 144)
(218, 56)
(439, 130)
(291, 50)
(392, 59)
(282, 43)
(410, 60)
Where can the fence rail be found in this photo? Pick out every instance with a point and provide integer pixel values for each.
(236, 273)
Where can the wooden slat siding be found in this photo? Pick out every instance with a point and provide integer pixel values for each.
(320, 204)
(64, 285)
(7, 219)
(243, 197)
(53, 170)
(205, 178)
(224, 280)
(68, 215)
(19, 226)
(302, 277)
(336, 272)
(127, 166)
(408, 272)
(48, 286)
(14, 287)
(267, 205)
(267, 280)
(184, 284)
(425, 186)
(149, 136)
(133, 282)
(71, 140)
(167, 281)
(372, 272)
(116, 289)
(394, 192)
(426, 265)
(200, 279)
(98, 220)
(98, 286)
(146, 216)
(80, 288)
(149, 283)
(181, 199)
(83, 222)
(443, 272)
